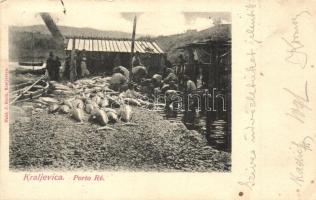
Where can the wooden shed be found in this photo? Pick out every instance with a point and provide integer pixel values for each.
(214, 58)
(103, 54)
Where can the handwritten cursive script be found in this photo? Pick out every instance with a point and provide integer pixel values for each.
(251, 95)
(296, 55)
(249, 136)
(252, 17)
(250, 182)
(300, 148)
(300, 105)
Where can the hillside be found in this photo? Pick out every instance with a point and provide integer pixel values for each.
(70, 31)
(35, 42)
(22, 47)
(170, 43)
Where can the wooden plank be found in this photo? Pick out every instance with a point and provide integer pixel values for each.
(104, 45)
(86, 45)
(108, 46)
(122, 46)
(69, 46)
(100, 45)
(128, 45)
(77, 44)
(114, 48)
(145, 46)
(81, 43)
(109, 43)
(149, 45)
(157, 47)
(138, 47)
(116, 42)
(27, 89)
(95, 45)
(142, 44)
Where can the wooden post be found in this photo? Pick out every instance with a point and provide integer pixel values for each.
(52, 27)
(210, 115)
(132, 46)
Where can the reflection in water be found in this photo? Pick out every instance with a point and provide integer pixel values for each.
(219, 136)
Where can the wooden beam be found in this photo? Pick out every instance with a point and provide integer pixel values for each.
(27, 89)
(72, 71)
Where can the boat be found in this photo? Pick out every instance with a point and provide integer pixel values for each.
(31, 63)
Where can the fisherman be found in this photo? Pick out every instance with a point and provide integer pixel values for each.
(136, 60)
(156, 80)
(189, 103)
(78, 63)
(57, 65)
(118, 82)
(199, 78)
(170, 76)
(148, 85)
(67, 67)
(181, 67)
(84, 70)
(50, 66)
(73, 68)
(171, 95)
(138, 73)
(122, 70)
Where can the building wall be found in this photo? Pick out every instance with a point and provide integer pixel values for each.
(104, 62)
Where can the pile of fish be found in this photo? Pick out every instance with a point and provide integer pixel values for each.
(92, 100)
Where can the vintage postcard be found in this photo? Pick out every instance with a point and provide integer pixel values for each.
(131, 99)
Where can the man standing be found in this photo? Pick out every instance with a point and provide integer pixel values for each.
(57, 65)
(189, 103)
(78, 63)
(83, 66)
(73, 68)
(50, 65)
(136, 60)
(67, 67)
(181, 69)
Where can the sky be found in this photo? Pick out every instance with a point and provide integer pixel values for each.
(148, 23)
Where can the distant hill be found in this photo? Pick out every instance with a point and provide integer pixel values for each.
(171, 43)
(72, 31)
(36, 41)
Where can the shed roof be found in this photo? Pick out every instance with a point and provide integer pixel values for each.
(113, 45)
(208, 43)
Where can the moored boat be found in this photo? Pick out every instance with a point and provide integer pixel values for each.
(31, 63)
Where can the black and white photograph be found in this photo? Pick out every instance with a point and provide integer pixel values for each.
(130, 91)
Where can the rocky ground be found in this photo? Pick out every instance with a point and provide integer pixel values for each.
(39, 140)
